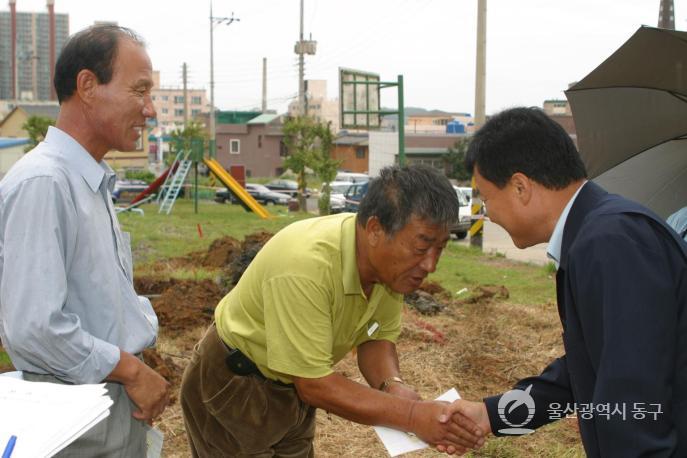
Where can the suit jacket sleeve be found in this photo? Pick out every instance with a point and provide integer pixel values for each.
(550, 388)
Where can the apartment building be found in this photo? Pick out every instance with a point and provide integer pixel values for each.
(29, 45)
(170, 104)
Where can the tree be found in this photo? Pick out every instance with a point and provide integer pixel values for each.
(142, 175)
(325, 168)
(309, 144)
(188, 138)
(37, 128)
(455, 160)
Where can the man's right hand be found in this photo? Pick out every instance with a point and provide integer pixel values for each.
(475, 412)
(443, 426)
(148, 390)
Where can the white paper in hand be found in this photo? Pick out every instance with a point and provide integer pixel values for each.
(399, 442)
(154, 441)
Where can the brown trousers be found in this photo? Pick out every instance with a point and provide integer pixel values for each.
(229, 415)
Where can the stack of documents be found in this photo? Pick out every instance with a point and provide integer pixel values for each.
(399, 442)
(46, 417)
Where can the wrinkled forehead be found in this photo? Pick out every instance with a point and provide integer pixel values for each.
(426, 230)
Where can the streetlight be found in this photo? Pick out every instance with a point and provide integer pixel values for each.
(215, 20)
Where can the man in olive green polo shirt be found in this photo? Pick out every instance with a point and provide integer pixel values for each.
(316, 290)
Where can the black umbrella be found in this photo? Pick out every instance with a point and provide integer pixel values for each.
(631, 120)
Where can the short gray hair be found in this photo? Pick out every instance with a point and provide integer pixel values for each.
(402, 192)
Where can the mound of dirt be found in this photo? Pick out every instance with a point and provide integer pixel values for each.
(187, 304)
(487, 293)
(238, 265)
(256, 239)
(433, 288)
(152, 285)
(222, 252)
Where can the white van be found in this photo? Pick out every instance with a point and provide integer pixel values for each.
(461, 227)
(467, 192)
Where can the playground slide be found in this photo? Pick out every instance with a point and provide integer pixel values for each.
(153, 186)
(234, 186)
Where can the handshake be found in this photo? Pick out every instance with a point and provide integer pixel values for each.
(453, 428)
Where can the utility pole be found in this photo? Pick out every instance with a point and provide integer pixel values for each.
(481, 67)
(264, 84)
(215, 20)
(303, 47)
(213, 129)
(185, 77)
(477, 227)
(301, 71)
(53, 54)
(15, 64)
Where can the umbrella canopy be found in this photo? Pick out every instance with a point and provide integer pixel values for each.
(631, 120)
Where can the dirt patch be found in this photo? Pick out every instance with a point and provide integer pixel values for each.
(222, 252)
(434, 288)
(152, 285)
(250, 247)
(257, 239)
(487, 293)
(187, 304)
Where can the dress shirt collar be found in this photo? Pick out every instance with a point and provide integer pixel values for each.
(80, 160)
(553, 251)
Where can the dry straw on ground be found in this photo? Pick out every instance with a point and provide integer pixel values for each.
(480, 348)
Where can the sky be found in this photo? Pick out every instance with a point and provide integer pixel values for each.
(535, 48)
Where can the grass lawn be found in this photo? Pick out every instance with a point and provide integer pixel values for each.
(466, 267)
(4, 359)
(157, 236)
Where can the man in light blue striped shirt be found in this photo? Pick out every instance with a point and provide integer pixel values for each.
(68, 309)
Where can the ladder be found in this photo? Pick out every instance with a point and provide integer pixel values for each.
(171, 187)
(164, 187)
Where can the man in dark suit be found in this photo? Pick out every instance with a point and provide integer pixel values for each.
(621, 288)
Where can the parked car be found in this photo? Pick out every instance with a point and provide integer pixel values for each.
(357, 191)
(126, 190)
(289, 187)
(259, 192)
(353, 196)
(462, 226)
(352, 177)
(337, 200)
(467, 192)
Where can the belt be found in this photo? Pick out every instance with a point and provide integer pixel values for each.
(242, 365)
